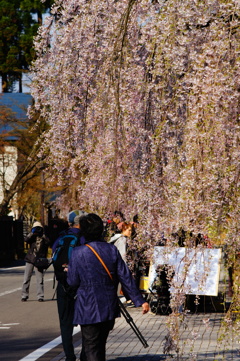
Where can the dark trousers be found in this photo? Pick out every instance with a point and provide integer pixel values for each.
(94, 339)
(66, 311)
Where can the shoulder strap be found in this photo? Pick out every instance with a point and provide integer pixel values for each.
(100, 259)
(123, 310)
(74, 236)
(74, 233)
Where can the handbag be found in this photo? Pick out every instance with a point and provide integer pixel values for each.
(42, 262)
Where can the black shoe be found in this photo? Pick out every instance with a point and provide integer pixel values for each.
(40, 300)
(130, 304)
(24, 299)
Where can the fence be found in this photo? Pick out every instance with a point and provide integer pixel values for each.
(11, 239)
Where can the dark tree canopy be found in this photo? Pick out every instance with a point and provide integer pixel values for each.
(18, 26)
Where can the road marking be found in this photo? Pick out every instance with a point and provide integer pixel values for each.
(5, 326)
(46, 348)
(18, 289)
(11, 291)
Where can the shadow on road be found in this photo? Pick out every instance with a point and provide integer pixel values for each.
(147, 357)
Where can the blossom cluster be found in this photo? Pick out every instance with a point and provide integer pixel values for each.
(142, 101)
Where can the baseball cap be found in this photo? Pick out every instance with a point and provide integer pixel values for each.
(36, 224)
(73, 214)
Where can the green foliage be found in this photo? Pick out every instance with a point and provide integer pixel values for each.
(18, 27)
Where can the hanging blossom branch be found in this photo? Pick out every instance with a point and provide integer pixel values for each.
(142, 101)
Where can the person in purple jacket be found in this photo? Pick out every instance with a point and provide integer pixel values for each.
(96, 305)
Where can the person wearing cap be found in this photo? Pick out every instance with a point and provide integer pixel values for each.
(96, 305)
(73, 226)
(39, 243)
(65, 303)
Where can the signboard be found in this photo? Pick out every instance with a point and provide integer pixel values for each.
(196, 270)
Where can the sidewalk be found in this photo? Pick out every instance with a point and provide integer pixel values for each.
(200, 336)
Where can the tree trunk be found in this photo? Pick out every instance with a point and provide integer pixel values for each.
(4, 83)
(31, 170)
(39, 16)
(20, 83)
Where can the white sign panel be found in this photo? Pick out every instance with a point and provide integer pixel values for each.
(196, 270)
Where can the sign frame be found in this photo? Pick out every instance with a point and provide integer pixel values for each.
(196, 270)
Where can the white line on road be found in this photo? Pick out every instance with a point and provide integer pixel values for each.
(5, 326)
(18, 289)
(11, 291)
(46, 348)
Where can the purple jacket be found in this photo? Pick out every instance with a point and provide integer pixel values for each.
(97, 299)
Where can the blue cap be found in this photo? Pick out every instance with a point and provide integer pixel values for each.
(76, 213)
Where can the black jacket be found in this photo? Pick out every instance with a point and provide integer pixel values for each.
(38, 247)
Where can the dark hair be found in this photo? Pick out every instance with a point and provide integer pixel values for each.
(126, 225)
(91, 226)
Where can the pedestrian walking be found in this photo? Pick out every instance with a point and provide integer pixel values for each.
(120, 239)
(96, 305)
(39, 243)
(66, 241)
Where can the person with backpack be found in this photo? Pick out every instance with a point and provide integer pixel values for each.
(39, 243)
(62, 249)
(96, 268)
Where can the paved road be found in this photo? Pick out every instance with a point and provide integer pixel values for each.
(28, 330)
(25, 326)
(200, 336)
